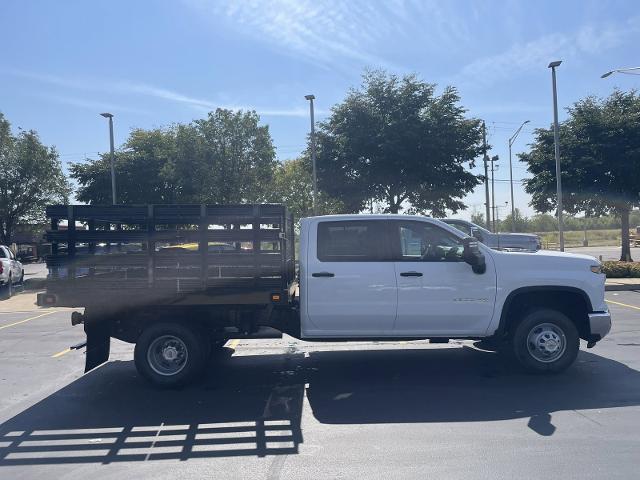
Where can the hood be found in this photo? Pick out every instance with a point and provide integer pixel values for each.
(527, 236)
(552, 256)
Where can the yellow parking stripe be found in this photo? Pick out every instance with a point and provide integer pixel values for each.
(623, 304)
(59, 354)
(26, 320)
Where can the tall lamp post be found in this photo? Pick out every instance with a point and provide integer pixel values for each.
(513, 205)
(556, 142)
(311, 98)
(113, 172)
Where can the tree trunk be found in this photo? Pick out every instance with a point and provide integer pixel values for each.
(625, 254)
(394, 203)
(5, 234)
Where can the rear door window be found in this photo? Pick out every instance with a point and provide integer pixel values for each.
(352, 241)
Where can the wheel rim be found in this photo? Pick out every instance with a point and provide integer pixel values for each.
(546, 342)
(167, 355)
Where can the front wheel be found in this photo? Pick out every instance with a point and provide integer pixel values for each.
(545, 341)
(6, 291)
(170, 355)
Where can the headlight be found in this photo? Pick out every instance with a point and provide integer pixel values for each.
(596, 268)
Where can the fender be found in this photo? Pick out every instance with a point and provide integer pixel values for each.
(538, 288)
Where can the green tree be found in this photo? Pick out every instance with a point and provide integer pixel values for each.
(31, 177)
(478, 218)
(293, 186)
(142, 171)
(600, 150)
(226, 158)
(521, 222)
(395, 141)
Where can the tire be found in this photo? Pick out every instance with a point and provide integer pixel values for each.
(170, 355)
(6, 292)
(545, 341)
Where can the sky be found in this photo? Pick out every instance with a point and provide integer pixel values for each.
(154, 63)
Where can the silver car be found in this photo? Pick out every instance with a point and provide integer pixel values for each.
(11, 272)
(517, 242)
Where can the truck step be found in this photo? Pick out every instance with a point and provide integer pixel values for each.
(262, 332)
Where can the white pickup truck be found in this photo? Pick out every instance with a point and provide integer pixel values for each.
(383, 277)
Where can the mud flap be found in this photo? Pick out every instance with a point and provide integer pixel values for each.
(98, 342)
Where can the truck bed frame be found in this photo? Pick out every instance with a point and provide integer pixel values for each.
(128, 256)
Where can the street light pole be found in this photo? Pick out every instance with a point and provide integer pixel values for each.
(485, 159)
(556, 141)
(311, 98)
(513, 205)
(628, 70)
(493, 191)
(113, 172)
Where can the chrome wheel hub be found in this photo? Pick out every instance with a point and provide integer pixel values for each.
(546, 342)
(167, 355)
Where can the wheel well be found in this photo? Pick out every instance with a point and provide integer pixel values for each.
(573, 303)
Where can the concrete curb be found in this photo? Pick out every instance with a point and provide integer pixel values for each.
(35, 283)
(621, 287)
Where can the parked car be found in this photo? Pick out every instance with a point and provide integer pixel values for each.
(362, 277)
(515, 242)
(11, 272)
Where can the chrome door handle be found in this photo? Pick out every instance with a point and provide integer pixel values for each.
(410, 274)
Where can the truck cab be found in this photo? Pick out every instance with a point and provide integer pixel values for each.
(400, 276)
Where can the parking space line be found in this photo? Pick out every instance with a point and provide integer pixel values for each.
(25, 320)
(623, 304)
(59, 354)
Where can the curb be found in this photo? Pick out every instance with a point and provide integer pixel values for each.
(35, 283)
(621, 287)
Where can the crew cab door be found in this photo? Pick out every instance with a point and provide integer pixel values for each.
(438, 293)
(349, 281)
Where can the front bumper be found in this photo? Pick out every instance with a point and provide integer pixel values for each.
(599, 325)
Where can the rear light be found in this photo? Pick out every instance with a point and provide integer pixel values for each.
(1, 267)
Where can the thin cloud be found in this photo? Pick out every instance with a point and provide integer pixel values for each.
(134, 88)
(91, 104)
(520, 58)
(326, 32)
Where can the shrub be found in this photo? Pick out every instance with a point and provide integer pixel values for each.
(616, 269)
(634, 270)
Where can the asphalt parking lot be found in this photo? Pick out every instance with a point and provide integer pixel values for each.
(272, 409)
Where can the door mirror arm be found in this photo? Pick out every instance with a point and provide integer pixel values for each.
(474, 256)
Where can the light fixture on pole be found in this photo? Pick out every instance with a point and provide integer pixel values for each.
(513, 205)
(113, 172)
(628, 71)
(556, 142)
(311, 98)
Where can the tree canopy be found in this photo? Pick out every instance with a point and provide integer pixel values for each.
(599, 150)
(293, 186)
(31, 177)
(226, 158)
(396, 142)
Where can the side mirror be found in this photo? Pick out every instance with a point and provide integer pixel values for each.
(473, 256)
(475, 233)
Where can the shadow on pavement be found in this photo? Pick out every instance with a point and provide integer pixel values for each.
(252, 404)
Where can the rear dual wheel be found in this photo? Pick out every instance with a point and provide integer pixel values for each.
(171, 355)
